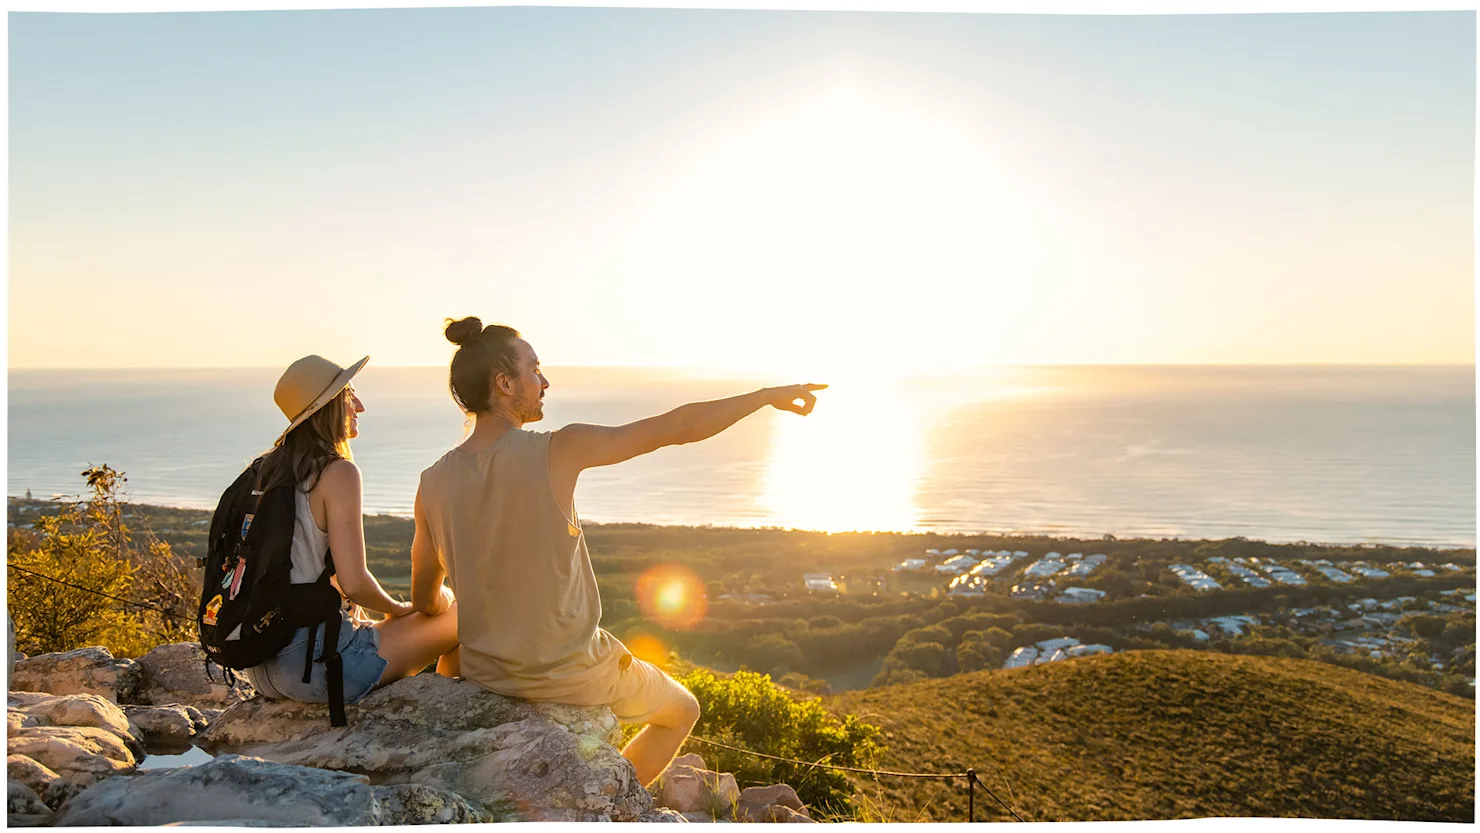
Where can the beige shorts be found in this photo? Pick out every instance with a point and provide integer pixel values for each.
(643, 690)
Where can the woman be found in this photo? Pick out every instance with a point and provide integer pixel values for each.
(323, 413)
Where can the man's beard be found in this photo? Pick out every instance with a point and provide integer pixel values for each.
(532, 410)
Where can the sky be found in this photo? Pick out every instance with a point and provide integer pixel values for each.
(746, 190)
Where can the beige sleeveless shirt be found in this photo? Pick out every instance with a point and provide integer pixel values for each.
(527, 604)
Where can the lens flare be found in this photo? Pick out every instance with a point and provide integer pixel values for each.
(672, 596)
(649, 648)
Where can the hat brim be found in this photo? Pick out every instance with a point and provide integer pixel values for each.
(324, 398)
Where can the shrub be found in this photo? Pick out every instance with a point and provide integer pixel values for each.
(747, 710)
(87, 544)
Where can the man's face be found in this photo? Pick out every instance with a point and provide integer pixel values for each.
(527, 398)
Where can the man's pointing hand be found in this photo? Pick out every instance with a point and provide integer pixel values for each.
(795, 398)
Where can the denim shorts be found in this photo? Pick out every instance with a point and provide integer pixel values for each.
(281, 678)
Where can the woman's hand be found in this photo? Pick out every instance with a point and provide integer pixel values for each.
(402, 609)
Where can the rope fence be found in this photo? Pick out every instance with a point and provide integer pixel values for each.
(972, 781)
(159, 610)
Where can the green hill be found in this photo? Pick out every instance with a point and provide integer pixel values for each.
(1173, 734)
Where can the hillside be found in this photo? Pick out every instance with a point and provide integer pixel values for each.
(1173, 734)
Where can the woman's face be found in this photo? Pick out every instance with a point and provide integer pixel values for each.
(356, 407)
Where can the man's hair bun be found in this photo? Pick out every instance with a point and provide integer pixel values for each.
(461, 332)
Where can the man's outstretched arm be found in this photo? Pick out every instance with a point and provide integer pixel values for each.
(579, 446)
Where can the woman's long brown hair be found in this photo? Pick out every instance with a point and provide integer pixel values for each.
(302, 455)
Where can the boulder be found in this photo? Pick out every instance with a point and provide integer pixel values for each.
(510, 759)
(83, 671)
(775, 794)
(163, 726)
(662, 815)
(689, 759)
(53, 788)
(81, 754)
(778, 814)
(421, 804)
(772, 804)
(23, 808)
(228, 788)
(176, 674)
(689, 790)
(76, 710)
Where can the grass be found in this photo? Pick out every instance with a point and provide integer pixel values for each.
(1173, 734)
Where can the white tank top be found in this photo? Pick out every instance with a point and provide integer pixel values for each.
(310, 544)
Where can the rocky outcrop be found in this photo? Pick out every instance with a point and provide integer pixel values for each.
(165, 726)
(83, 671)
(509, 758)
(425, 750)
(23, 808)
(174, 674)
(177, 674)
(421, 804)
(230, 787)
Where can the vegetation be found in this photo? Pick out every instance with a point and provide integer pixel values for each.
(746, 710)
(1173, 734)
(88, 544)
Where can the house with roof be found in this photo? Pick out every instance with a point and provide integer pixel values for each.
(909, 565)
(819, 583)
(956, 565)
(1056, 644)
(1021, 657)
(1080, 595)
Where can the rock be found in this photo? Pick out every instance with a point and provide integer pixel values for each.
(16, 718)
(83, 671)
(774, 794)
(421, 804)
(80, 710)
(34, 775)
(81, 754)
(53, 788)
(168, 726)
(226, 823)
(509, 758)
(688, 759)
(662, 815)
(20, 798)
(699, 818)
(176, 674)
(230, 787)
(777, 814)
(689, 790)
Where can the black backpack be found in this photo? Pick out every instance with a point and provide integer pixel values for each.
(249, 608)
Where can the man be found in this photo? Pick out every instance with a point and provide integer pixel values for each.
(498, 514)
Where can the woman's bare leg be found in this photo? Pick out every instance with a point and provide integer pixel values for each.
(409, 643)
(450, 664)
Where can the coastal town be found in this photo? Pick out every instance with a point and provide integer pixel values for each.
(1367, 625)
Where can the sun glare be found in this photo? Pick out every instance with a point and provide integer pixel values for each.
(852, 464)
(847, 212)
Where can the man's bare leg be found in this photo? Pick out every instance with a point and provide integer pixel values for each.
(654, 747)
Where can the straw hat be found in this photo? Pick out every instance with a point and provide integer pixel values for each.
(308, 385)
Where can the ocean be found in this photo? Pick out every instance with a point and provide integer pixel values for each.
(1320, 454)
